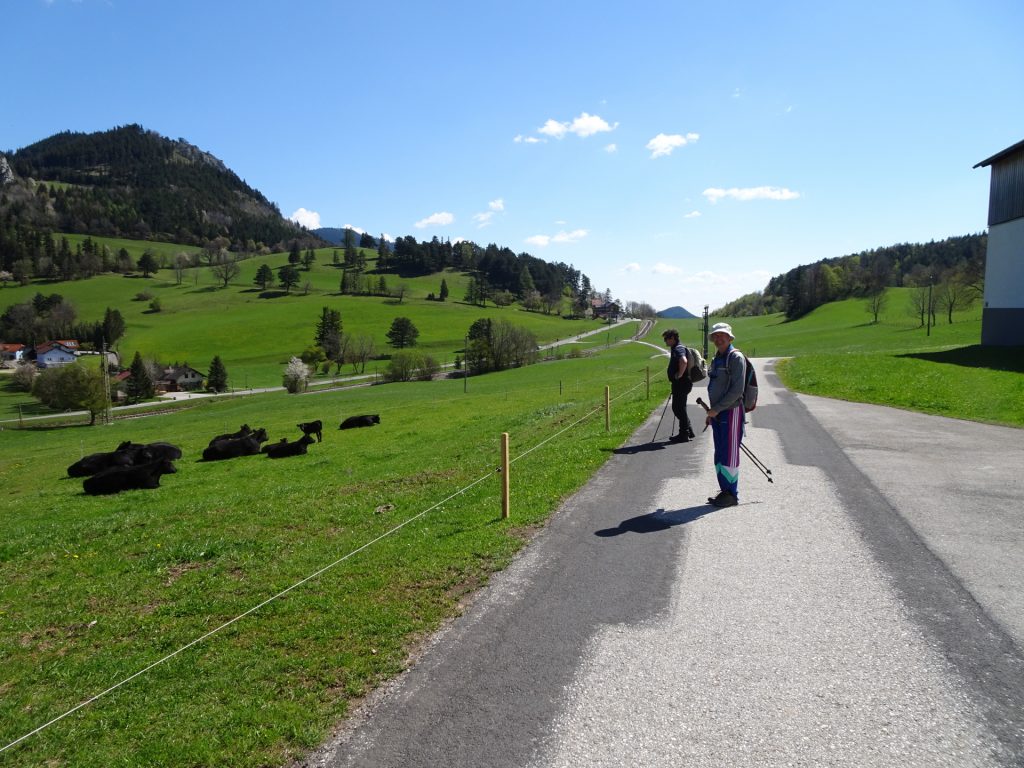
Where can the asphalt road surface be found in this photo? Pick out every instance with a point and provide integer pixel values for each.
(865, 609)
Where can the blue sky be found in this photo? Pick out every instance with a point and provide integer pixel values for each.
(675, 152)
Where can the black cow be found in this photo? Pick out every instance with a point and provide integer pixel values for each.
(312, 428)
(117, 479)
(124, 455)
(284, 448)
(162, 451)
(233, 447)
(360, 421)
(244, 430)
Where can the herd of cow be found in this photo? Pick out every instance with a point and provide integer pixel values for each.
(135, 465)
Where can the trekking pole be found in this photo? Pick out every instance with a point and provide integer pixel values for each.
(750, 454)
(662, 417)
(706, 408)
(754, 459)
(757, 463)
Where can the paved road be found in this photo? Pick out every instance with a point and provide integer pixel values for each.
(866, 609)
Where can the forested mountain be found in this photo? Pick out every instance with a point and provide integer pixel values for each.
(133, 183)
(955, 263)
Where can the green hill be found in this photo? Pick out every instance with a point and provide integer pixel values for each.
(255, 332)
(131, 182)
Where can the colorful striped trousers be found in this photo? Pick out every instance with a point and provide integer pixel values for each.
(727, 430)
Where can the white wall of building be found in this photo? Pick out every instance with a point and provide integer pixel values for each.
(1004, 266)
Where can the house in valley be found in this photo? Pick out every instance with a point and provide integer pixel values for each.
(180, 378)
(54, 354)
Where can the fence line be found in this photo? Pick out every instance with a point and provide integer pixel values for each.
(299, 583)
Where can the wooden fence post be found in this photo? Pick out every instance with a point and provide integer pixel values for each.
(607, 408)
(505, 469)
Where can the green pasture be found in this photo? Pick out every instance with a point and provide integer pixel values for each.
(255, 332)
(93, 589)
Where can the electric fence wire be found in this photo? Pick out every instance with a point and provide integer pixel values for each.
(297, 584)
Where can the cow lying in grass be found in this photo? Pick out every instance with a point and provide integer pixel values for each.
(117, 479)
(231, 448)
(284, 449)
(125, 455)
(312, 428)
(244, 430)
(360, 421)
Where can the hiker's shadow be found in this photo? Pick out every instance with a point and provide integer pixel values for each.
(641, 448)
(660, 520)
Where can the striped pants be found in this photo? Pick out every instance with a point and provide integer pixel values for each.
(727, 430)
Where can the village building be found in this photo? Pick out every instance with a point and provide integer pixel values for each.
(12, 353)
(54, 354)
(180, 378)
(1002, 318)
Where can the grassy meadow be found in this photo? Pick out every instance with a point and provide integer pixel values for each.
(255, 332)
(93, 589)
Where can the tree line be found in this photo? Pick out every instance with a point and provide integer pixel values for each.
(954, 268)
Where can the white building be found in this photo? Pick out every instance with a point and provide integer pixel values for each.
(1002, 319)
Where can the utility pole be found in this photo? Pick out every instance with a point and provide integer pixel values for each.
(705, 334)
(928, 331)
(105, 368)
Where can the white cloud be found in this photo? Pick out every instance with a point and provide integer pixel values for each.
(520, 139)
(562, 237)
(435, 220)
(631, 267)
(554, 129)
(497, 205)
(483, 219)
(611, 148)
(663, 144)
(570, 237)
(714, 194)
(357, 230)
(308, 219)
(693, 215)
(661, 268)
(583, 126)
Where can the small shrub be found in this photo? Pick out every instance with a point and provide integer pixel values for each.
(155, 305)
(23, 377)
(143, 296)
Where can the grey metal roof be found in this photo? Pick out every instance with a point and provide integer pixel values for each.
(1000, 155)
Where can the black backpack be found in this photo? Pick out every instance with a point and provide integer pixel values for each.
(749, 387)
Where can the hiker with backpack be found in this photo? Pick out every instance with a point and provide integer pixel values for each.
(727, 378)
(678, 375)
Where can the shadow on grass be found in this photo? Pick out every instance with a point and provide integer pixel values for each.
(273, 294)
(977, 356)
(657, 521)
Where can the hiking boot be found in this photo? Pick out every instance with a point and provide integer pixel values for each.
(680, 438)
(689, 432)
(723, 499)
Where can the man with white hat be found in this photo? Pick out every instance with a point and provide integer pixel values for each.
(726, 378)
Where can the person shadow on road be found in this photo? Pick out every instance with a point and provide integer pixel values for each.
(656, 521)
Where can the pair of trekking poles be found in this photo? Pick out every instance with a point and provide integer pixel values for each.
(750, 454)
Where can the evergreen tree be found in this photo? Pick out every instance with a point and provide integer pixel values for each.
(309, 259)
(289, 277)
(217, 378)
(402, 333)
(295, 254)
(264, 276)
(328, 325)
(139, 385)
(383, 254)
(113, 327)
(444, 290)
(147, 263)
